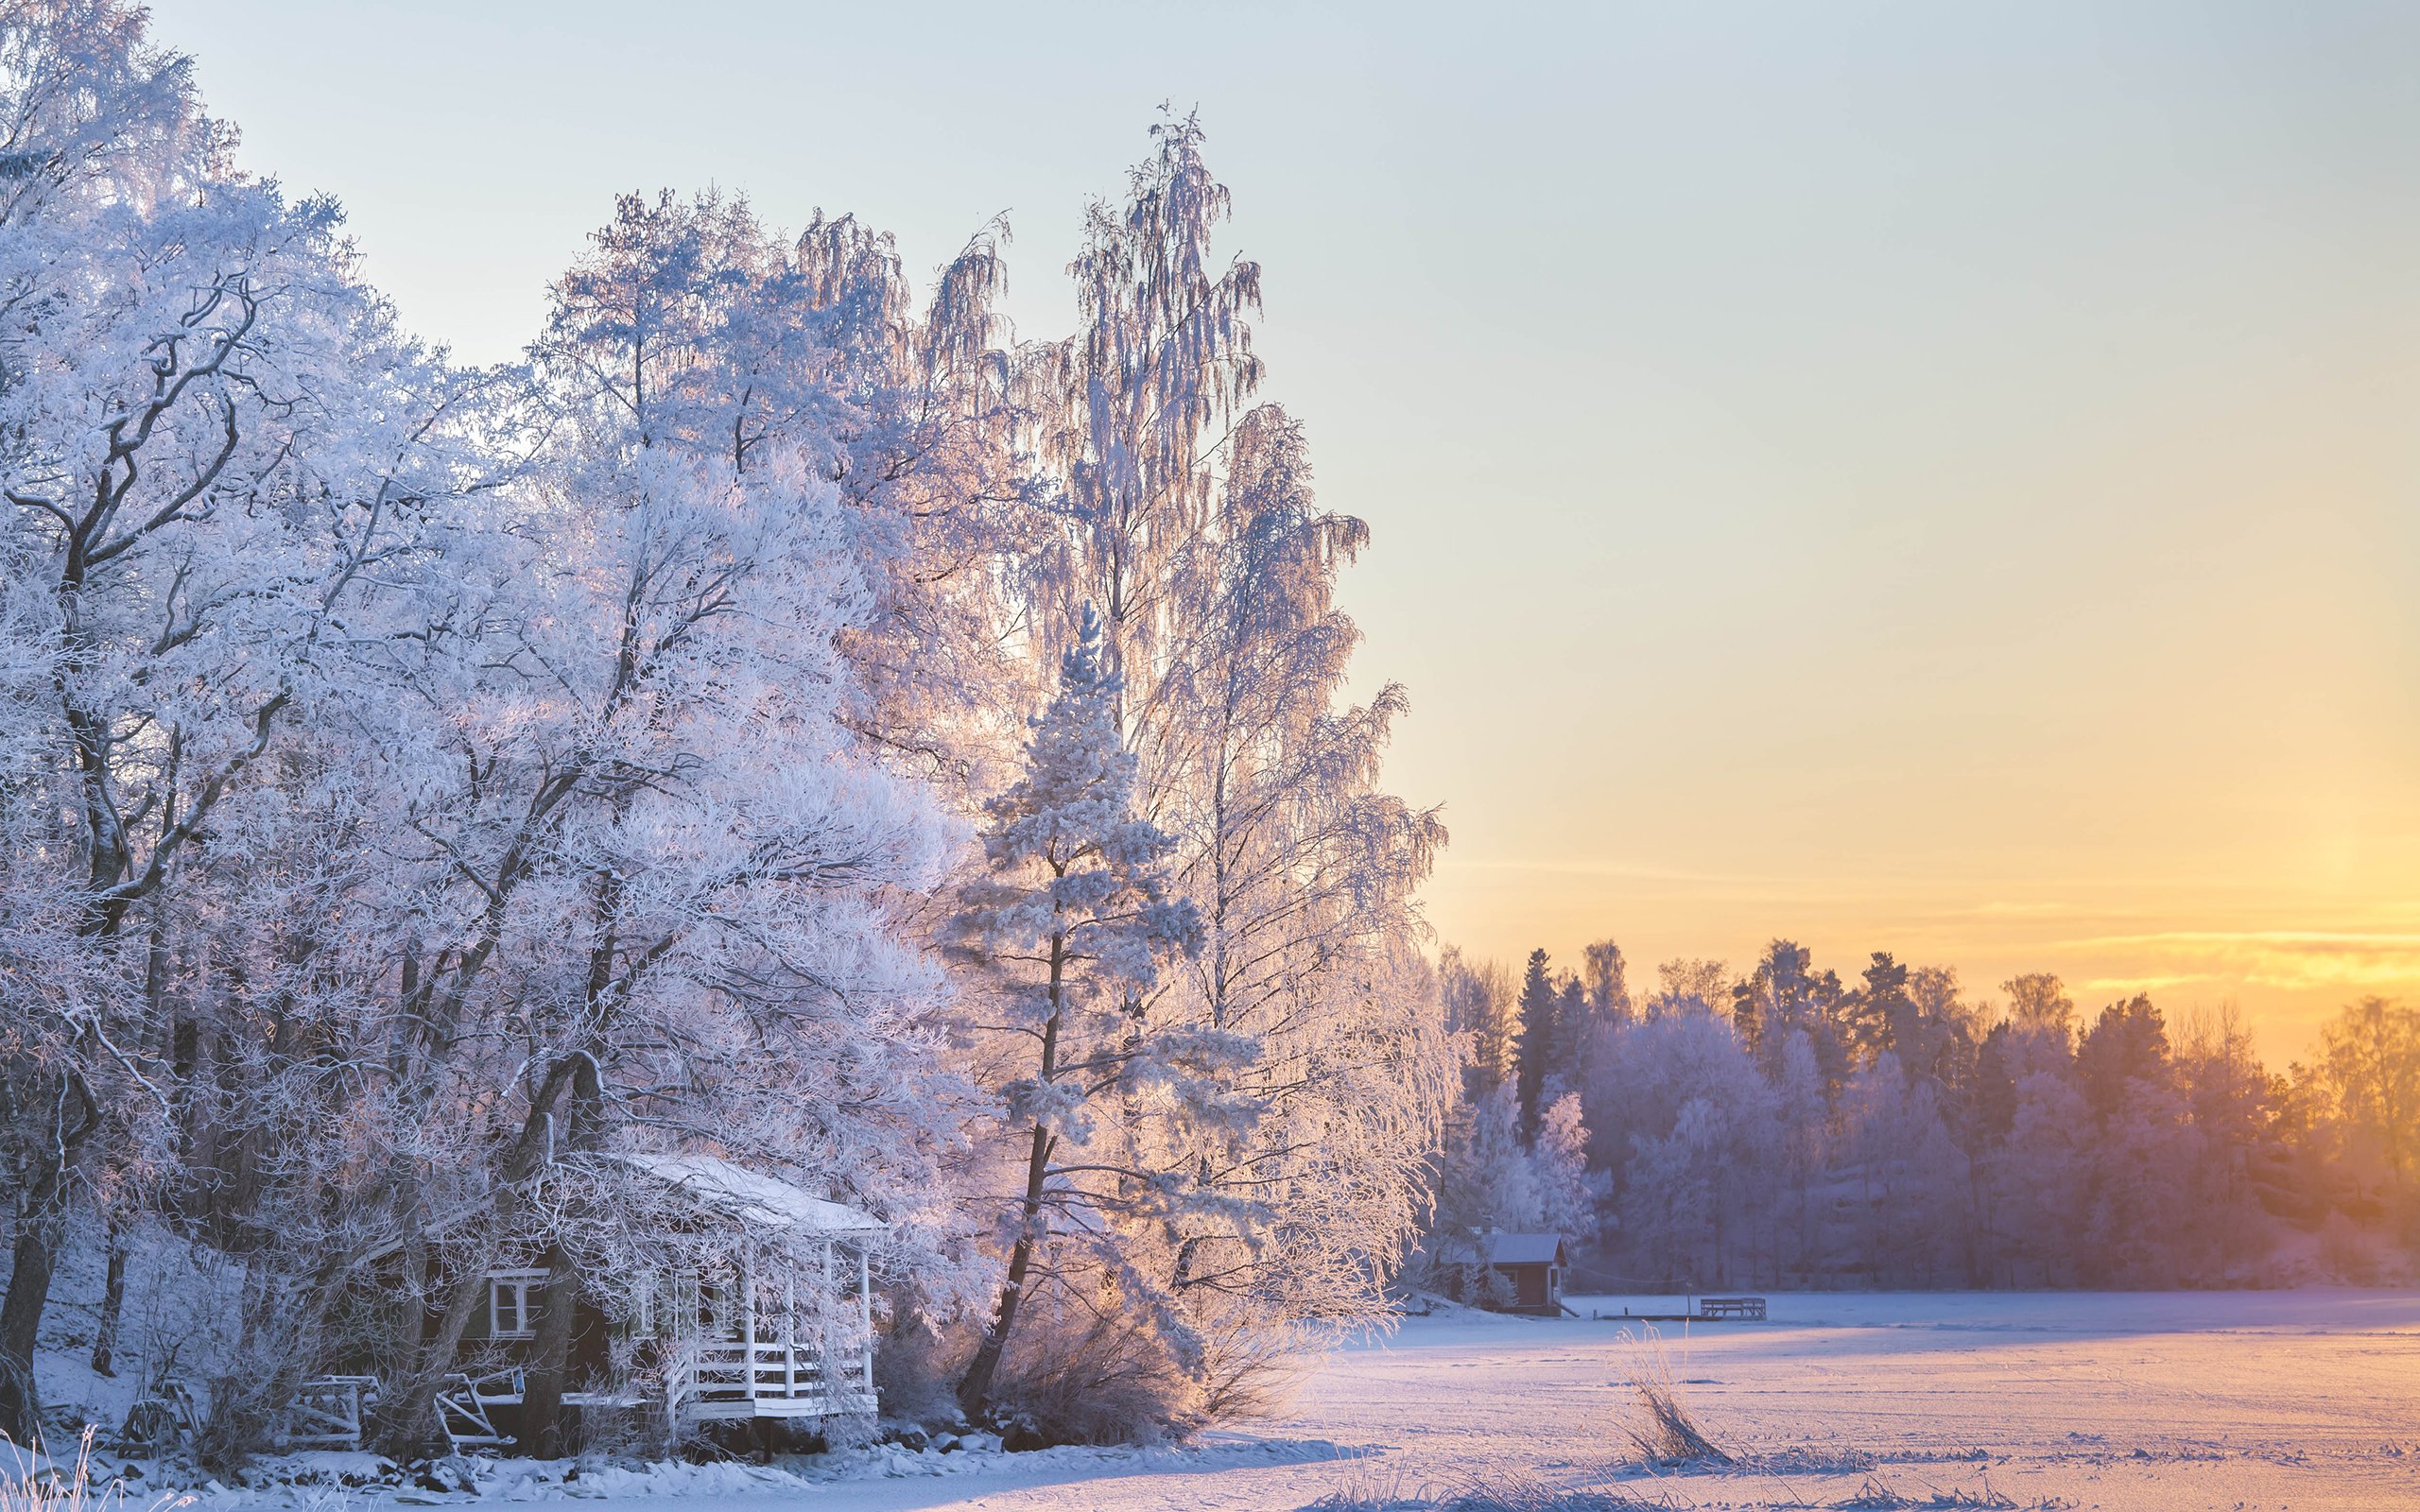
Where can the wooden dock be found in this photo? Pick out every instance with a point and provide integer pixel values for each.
(1709, 1309)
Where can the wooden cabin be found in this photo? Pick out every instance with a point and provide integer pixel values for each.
(736, 1337)
(1505, 1272)
(776, 1326)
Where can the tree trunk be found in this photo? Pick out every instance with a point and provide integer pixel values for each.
(113, 1305)
(407, 1418)
(974, 1391)
(35, 1255)
(407, 1426)
(41, 1227)
(543, 1430)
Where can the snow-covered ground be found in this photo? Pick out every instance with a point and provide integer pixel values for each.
(2143, 1402)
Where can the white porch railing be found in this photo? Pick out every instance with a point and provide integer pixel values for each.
(774, 1380)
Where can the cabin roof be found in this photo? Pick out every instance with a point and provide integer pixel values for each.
(1498, 1248)
(752, 1197)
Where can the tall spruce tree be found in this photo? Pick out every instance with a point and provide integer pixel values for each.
(1075, 921)
(1541, 1005)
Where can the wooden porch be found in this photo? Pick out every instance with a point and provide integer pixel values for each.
(756, 1366)
(774, 1380)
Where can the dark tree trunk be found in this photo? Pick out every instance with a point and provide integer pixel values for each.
(543, 1431)
(41, 1227)
(975, 1388)
(113, 1305)
(408, 1425)
(36, 1256)
(407, 1418)
(974, 1391)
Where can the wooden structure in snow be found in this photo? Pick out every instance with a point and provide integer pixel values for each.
(1741, 1309)
(1505, 1272)
(734, 1356)
(779, 1325)
(328, 1412)
(1700, 1310)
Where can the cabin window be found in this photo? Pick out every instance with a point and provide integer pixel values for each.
(719, 1316)
(513, 1303)
(640, 1322)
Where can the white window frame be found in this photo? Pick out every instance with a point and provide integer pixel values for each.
(518, 1284)
(642, 1319)
(720, 1310)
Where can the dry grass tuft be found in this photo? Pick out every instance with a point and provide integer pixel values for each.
(1668, 1436)
(31, 1482)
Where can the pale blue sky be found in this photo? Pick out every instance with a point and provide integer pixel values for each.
(1931, 477)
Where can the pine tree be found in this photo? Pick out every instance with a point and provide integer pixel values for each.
(1074, 917)
(1788, 995)
(1880, 1015)
(1539, 1004)
(1573, 1023)
(2126, 1046)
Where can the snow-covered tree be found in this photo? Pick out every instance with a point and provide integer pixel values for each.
(2373, 1066)
(1074, 922)
(672, 866)
(1132, 404)
(1188, 519)
(1305, 872)
(1910, 1178)
(1690, 1131)
(1488, 1178)
(1570, 1193)
(217, 455)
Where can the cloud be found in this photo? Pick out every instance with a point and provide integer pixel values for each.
(2293, 960)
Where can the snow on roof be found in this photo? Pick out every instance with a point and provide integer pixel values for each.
(752, 1197)
(1498, 1248)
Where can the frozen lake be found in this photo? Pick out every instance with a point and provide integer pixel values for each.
(2145, 1403)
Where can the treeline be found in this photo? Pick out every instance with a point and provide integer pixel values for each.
(786, 716)
(1788, 1128)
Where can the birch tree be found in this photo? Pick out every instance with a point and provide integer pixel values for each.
(1186, 514)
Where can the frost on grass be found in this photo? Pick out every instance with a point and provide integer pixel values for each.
(30, 1481)
(1875, 1496)
(1801, 1459)
(1663, 1429)
(1520, 1495)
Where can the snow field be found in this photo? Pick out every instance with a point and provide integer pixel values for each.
(2132, 1403)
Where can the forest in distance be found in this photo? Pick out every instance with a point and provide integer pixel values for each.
(1786, 1128)
(791, 718)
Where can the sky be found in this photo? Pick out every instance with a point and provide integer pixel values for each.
(1911, 477)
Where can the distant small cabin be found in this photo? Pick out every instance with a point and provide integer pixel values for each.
(1505, 1272)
